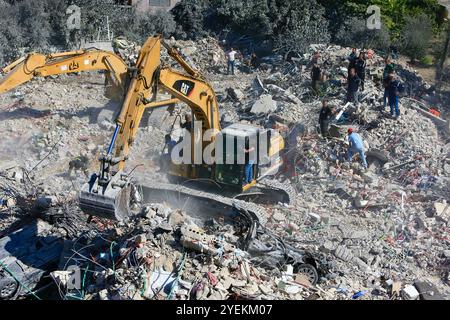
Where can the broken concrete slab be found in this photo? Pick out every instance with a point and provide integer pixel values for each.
(258, 86)
(428, 291)
(440, 123)
(314, 217)
(354, 234)
(28, 253)
(7, 165)
(442, 209)
(278, 216)
(342, 191)
(362, 265)
(264, 105)
(409, 292)
(235, 94)
(327, 247)
(343, 253)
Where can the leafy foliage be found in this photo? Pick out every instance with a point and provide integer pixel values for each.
(139, 26)
(298, 24)
(191, 16)
(289, 24)
(245, 17)
(394, 12)
(355, 34)
(416, 36)
(286, 24)
(29, 24)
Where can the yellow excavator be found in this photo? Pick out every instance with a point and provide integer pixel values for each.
(107, 194)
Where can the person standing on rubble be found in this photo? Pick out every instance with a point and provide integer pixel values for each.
(394, 90)
(394, 52)
(170, 143)
(316, 74)
(316, 59)
(352, 60)
(231, 56)
(360, 66)
(249, 162)
(165, 158)
(254, 61)
(353, 56)
(388, 69)
(187, 122)
(353, 82)
(324, 117)
(356, 145)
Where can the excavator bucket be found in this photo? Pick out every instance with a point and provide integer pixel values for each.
(110, 202)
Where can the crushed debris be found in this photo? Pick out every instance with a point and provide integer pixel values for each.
(350, 234)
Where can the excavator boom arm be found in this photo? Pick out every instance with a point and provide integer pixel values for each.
(108, 194)
(38, 65)
(189, 88)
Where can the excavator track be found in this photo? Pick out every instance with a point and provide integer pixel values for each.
(264, 192)
(194, 200)
(115, 204)
(270, 192)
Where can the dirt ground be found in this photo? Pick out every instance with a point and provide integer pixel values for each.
(428, 73)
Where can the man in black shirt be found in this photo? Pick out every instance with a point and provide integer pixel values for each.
(353, 56)
(352, 60)
(254, 61)
(187, 122)
(353, 87)
(316, 74)
(360, 66)
(324, 117)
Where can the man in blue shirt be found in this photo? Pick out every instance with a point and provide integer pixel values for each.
(356, 146)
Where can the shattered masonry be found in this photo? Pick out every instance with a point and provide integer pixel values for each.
(379, 234)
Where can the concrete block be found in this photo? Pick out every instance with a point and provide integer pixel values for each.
(442, 209)
(265, 104)
(427, 291)
(362, 265)
(410, 293)
(314, 217)
(343, 253)
(327, 247)
(235, 94)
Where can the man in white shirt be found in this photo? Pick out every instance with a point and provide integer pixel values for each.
(231, 58)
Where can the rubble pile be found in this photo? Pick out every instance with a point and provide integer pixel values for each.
(376, 234)
(205, 55)
(163, 254)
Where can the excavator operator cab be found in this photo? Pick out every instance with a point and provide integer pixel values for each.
(233, 168)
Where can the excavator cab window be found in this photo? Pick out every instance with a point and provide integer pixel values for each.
(232, 172)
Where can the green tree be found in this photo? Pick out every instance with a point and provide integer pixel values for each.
(140, 26)
(297, 24)
(443, 53)
(95, 13)
(393, 12)
(191, 16)
(354, 33)
(29, 24)
(416, 36)
(244, 17)
(11, 36)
